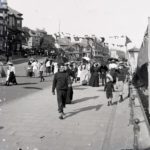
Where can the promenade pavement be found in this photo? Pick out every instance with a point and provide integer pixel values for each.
(32, 123)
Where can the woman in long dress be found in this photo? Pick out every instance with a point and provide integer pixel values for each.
(94, 80)
(11, 77)
(84, 75)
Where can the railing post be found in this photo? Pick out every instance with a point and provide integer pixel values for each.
(131, 105)
(136, 130)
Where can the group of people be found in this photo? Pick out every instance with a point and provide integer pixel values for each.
(37, 68)
(112, 75)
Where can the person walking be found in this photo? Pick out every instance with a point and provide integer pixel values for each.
(121, 77)
(109, 89)
(60, 83)
(48, 66)
(11, 77)
(41, 70)
(94, 79)
(103, 69)
(70, 72)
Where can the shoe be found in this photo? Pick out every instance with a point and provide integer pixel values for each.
(61, 117)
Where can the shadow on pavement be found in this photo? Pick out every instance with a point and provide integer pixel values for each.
(115, 103)
(84, 99)
(101, 90)
(147, 148)
(35, 88)
(18, 76)
(75, 112)
(79, 88)
(29, 83)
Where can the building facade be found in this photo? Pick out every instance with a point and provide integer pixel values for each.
(88, 46)
(10, 30)
(3, 26)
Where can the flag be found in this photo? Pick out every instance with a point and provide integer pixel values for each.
(127, 40)
(142, 62)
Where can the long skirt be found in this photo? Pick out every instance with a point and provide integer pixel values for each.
(12, 78)
(94, 81)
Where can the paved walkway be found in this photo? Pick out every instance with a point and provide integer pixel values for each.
(31, 122)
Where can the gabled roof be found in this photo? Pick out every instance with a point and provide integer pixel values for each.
(14, 12)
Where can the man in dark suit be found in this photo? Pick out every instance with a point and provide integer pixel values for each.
(103, 70)
(60, 82)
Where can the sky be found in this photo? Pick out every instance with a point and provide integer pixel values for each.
(81, 17)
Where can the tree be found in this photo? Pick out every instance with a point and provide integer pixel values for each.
(25, 35)
(47, 42)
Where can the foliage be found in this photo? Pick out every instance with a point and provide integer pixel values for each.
(47, 42)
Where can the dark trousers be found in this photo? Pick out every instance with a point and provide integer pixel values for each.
(61, 99)
(103, 77)
(41, 76)
(69, 95)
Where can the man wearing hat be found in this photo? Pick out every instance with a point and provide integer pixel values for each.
(60, 83)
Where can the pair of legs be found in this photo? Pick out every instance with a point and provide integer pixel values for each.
(120, 85)
(109, 102)
(109, 96)
(103, 77)
(61, 100)
(41, 76)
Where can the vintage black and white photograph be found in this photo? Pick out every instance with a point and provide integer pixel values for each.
(74, 74)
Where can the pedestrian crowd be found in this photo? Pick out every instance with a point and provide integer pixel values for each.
(113, 76)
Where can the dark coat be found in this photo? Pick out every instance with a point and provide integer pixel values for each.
(60, 81)
(94, 80)
(109, 89)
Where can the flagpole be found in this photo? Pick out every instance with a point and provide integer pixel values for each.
(149, 63)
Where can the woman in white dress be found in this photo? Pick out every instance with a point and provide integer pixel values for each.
(84, 76)
(35, 68)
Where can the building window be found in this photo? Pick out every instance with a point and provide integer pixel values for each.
(18, 23)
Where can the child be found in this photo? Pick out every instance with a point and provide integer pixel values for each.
(109, 88)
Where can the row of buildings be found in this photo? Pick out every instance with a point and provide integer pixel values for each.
(76, 47)
(15, 39)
